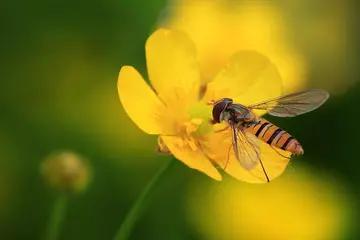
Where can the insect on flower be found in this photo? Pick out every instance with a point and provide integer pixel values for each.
(173, 104)
(247, 128)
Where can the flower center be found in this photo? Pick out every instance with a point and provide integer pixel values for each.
(189, 131)
(200, 114)
(198, 126)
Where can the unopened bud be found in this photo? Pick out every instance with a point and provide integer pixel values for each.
(66, 172)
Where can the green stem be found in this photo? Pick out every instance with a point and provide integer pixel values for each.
(127, 226)
(57, 217)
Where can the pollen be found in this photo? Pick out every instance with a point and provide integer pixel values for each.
(192, 144)
(197, 121)
(188, 132)
(189, 128)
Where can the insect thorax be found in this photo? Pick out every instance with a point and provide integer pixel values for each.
(240, 113)
(226, 115)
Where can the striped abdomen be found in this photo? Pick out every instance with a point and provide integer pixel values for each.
(275, 136)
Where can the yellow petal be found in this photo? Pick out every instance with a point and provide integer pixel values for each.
(249, 77)
(193, 159)
(220, 28)
(274, 165)
(139, 101)
(171, 62)
(217, 147)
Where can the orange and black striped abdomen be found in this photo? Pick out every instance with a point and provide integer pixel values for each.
(275, 136)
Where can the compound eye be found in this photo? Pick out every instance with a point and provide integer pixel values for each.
(218, 108)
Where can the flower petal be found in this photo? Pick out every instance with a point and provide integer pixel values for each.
(249, 77)
(193, 159)
(220, 28)
(139, 101)
(274, 165)
(171, 62)
(217, 146)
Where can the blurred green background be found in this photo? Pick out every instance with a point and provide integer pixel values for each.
(60, 61)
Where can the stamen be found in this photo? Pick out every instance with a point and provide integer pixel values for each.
(192, 144)
(197, 121)
(190, 128)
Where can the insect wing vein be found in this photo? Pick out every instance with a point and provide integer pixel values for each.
(293, 104)
(246, 150)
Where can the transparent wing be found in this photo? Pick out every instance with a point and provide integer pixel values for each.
(246, 148)
(293, 104)
(242, 155)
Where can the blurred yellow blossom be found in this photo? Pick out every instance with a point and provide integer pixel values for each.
(66, 172)
(321, 29)
(299, 205)
(176, 109)
(220, 28)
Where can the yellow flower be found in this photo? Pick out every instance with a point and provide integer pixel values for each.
(176, 109)
(300, 205)
(221, 27)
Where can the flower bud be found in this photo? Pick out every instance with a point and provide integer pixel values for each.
(66, 172)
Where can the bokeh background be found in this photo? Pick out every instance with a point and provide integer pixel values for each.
(59, 66)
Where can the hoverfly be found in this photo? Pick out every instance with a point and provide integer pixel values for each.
(246, 127)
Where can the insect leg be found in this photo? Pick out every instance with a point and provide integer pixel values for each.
(279, 153)
(228, 158)
(263, 168)
(259, 157)
(210, 103)
(224, 129)
(289, 165)
(212, 121)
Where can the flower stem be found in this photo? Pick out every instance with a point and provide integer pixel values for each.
(57, 217)
(127, 226)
